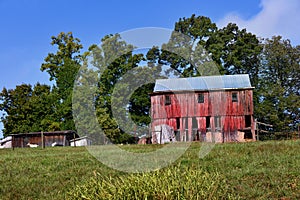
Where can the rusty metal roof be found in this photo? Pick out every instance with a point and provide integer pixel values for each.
(67, 132)
(203, 83)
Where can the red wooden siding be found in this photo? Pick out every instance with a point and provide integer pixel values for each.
(185, 110)
(215, 104)
(201, 124)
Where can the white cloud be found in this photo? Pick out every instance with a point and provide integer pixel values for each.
(277, 17)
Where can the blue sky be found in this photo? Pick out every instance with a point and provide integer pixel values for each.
(26, 26)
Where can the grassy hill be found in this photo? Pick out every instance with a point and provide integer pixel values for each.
(263, 170)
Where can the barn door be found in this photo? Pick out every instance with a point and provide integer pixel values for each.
(195, 133)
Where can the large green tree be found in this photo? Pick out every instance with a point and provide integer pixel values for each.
(236, 51)
(63, 67)
(111, 60)
(279, 88)
(27, 109)
(198, 47)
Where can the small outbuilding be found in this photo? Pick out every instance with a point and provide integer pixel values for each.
(6, 142)
(207, 108)
(43, 139)
(82, 141)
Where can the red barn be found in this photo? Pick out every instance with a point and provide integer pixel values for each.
(207, 108)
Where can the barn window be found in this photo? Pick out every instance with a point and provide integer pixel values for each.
(167, 100)
(200, 98)
(234, 97)
(247, 120)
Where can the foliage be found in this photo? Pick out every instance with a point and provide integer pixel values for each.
(184, 50)
(237, 51)
(27, 109)
(230, 50)
(43, 108)
(68, 50)
(139, 107)
(112, 60)
(279, 102)
(62, 68)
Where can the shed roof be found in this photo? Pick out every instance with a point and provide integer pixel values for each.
(203, 83)
(67, 132)
(79, 138)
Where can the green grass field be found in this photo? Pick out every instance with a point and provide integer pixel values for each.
(258, 170)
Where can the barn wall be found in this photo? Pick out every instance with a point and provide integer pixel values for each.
(23, 141)
(216, 103)
(61, 138)
(221, 104)
(185, 111)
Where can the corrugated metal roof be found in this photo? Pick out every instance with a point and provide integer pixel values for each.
(67, 132)
(240, 81)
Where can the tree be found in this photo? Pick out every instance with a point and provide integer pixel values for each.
(110, 61)
(27, 109)
(279, 89)
(237, 51)
(184, 51)
(197, 47)
(63, 67)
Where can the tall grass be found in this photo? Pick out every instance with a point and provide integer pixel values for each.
(172, 183)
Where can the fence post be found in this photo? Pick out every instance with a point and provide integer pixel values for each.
(160, 135)
(74, 139)
(13, 142)
(42, 136)
(257, 130)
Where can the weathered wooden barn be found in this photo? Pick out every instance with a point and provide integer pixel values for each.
(43, 139)
(208, 108)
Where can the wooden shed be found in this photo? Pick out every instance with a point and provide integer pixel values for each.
(82, 141)
(207, 108)
(55, 138)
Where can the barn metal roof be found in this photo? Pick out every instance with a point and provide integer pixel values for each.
(206, 83)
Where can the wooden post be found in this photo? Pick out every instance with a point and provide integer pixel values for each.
(12, 142)
(257, 130)
(64, 141)
(74, 139)
(269, 125)
(160, 133)
(42, 137)
(253, 128)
